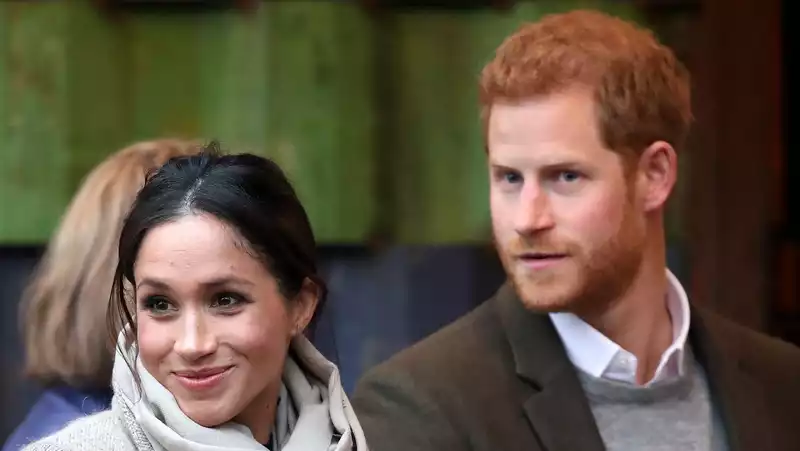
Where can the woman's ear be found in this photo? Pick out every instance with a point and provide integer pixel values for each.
(304, 306)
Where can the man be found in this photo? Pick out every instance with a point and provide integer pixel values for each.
(592, 344)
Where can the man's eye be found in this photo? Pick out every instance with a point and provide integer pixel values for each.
(508, 176)
(512, 177)
(569, 176)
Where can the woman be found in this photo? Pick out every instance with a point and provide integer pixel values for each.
(216, 283)
(64, 306)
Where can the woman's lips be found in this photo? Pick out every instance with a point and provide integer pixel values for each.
(203, 378)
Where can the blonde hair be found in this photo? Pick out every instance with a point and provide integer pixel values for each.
(64, 305)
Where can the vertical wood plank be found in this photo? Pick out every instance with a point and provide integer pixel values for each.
(738, 109)
(438, 165)
(34, 174)
(321, 120)
(163, 59)
(97, 122)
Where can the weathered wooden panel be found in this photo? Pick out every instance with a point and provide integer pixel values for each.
(437, 162)
(297, 81)
(321, 112)
(289, 80)
(731, 206)
(163, 60)
(34, 169)
(96, 91)
(231, 66)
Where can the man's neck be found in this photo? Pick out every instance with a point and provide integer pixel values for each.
(639, 321)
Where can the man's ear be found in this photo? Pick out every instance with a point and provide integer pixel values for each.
(657, 173)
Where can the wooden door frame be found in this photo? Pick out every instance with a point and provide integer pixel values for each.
(734, 175)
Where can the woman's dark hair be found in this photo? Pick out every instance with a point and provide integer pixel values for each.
(248, 193)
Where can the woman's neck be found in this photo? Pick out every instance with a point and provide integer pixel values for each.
(259, 415)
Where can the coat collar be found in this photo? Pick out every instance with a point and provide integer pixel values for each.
(554, 404)
(559, 412)
(738, 397)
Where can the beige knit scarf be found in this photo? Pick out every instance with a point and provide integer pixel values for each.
(313, 412)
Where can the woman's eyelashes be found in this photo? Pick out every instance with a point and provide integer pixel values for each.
(225, 302)
(158, 305)
(229, 301)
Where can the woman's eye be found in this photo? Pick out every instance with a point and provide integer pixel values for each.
(157, 304)
(226, 301)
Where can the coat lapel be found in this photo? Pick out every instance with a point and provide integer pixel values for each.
(738, 398)
(554, 402)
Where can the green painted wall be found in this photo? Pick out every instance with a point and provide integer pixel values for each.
(438, 168)
(291, 81)
(36, 161)
(376, 122)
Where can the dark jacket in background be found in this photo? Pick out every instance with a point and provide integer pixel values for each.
(53, 410)
(500, 379)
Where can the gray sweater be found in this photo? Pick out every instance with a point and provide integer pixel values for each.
(672, 415)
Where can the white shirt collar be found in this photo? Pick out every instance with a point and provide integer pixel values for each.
(595, 354)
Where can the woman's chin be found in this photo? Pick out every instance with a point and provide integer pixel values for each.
(206, 414)
(208, 422)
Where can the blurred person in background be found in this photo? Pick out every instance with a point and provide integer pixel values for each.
(216, 286)
(63, 310)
